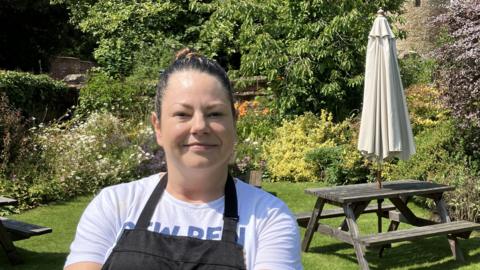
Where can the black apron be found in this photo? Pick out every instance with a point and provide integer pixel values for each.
(139, 248)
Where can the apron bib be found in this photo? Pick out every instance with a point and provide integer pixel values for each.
(139, 248)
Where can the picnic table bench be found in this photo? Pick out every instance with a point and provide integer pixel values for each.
(12, 230)
(304, 217)
(353, 201)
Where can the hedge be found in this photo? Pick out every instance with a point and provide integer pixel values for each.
(37, 96)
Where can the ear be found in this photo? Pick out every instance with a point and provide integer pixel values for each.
(156, 126)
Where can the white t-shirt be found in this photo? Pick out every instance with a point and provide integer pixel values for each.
(267, 230)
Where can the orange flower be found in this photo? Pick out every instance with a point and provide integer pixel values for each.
(241, 108)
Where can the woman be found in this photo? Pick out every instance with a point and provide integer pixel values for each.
(195, 216)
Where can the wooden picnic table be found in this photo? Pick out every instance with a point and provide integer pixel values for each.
(354, 200)
(5, 239)
(12, 230)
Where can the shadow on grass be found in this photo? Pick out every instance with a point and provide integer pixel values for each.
(432, 254)
(335, 249)
(34, 260)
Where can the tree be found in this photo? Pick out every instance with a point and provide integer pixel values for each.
(32, 31)
(312, 52)
(459, 63)
(125, 27)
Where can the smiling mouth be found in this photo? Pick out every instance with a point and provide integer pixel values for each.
(200, 146)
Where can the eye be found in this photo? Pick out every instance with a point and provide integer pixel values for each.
(215, 114)
(180, 114)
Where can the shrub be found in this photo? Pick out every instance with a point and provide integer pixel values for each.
(12, 134)
(123, 98)
(432, 157)
(425, 107)
(255, 125)
(459, 75)
(464, 202)
(343, 163)
(439, 158)
(37, 96)
(415, 69)
(328, 161)
(79, 158)
(286, 151)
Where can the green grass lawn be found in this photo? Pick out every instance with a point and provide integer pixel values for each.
(49, 251)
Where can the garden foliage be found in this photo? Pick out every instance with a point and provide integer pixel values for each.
(342, 164)
(285, 152)
(65, 161)
(312, 52)
(37, 96)
(124, 27)
(439, 159)
(416, 69)
(439, 154)
(13, 134)
(255, 126)
(425, 107)
(459, 60)
(124, 98)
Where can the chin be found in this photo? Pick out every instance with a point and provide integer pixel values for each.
(199, 164)
(203, 163)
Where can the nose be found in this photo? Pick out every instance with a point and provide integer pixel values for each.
(199, 124)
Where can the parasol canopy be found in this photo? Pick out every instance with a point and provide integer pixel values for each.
(385, 130)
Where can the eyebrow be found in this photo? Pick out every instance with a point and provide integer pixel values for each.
(210, 106)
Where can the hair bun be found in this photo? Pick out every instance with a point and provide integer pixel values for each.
(186, 53)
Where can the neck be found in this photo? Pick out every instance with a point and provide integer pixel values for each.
(197, 186)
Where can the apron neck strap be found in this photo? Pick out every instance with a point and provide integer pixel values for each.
(230, 213)
(147, 212)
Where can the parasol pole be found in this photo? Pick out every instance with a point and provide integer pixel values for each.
(379, 175)
(379, 201)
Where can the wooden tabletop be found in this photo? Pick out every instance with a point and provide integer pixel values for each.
(7, 201)
(367, 192)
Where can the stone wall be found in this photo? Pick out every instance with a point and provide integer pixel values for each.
(61, 66)
(418, 15)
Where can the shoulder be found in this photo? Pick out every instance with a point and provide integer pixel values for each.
(103, 219)
(261, 205)
(123, 191)
(122, 198)
(272, 226)
(249, 194)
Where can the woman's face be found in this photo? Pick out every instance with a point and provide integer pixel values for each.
(196, 127)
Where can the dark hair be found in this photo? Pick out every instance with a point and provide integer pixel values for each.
(187, 59)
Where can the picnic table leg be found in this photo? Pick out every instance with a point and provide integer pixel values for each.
(357, 210)
(8, 246)
(379, 215)
(355, 234)
(452, 240)
(392, 227)
(401, 204)
(312, 223)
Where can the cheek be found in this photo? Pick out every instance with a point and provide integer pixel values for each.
(179, 132)
(226, 131)
(175, 132)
